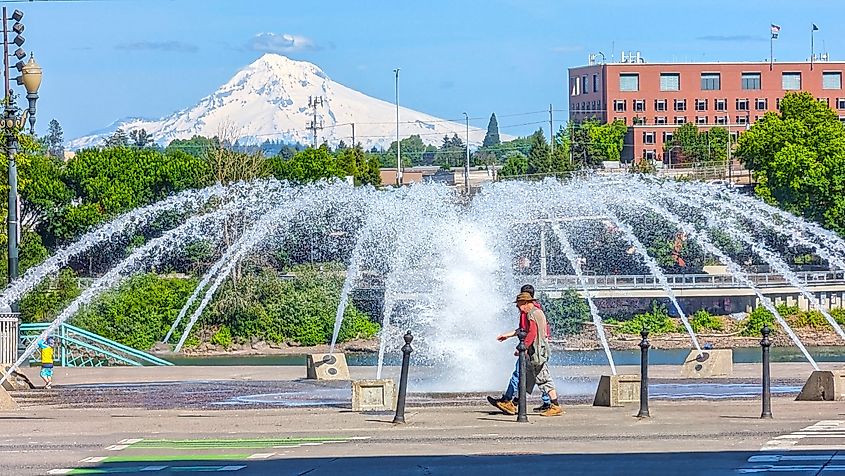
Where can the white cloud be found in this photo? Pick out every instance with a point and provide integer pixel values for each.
(281, 43)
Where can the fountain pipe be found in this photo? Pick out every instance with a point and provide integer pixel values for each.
(403, 378)
(521, 414)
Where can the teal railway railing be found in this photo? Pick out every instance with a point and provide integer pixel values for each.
(77, 347)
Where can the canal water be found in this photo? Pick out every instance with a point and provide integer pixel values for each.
(559, 358)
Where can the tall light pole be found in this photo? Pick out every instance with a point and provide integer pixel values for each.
(30, 78)
(398, 144)
(466, 166)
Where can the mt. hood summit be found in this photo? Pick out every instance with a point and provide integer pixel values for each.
(269, 100)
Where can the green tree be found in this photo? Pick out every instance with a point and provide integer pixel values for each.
(491, 139)
(140, 138)
(516, 164)
(607, 140)
(798, 159)
(540, 154)
(55, 140)
(196, 145)
(307, 166)
(118, 139)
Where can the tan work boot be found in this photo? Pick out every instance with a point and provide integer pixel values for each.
(506, 406)
(553, 410)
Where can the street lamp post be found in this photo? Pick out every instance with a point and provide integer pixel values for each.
(398, 144)
(466, 166)
(669, 155)
(30, 78)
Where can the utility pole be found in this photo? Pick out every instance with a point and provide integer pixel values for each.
(398, 144)
(353, 135)
(315, 124)
(466, 166)
(551, 129)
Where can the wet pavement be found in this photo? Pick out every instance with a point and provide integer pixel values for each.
(228, 394)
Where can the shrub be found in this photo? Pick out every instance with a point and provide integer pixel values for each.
(566, 314)
(657, 322)
(813, 319)
(50, 297)
(702, 320)
(223, 337)
(752, 325)
(139, 312)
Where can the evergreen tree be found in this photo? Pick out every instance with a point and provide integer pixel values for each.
(540, 154)
(140, 138)
(492, 137)
(55, 141)
(118, 139)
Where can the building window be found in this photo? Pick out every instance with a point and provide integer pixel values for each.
(649, 154)
(777, 104)
(825, 101)
(639, 105)
(721, 120)
(840, 103)
(574, 86)
(791, 81)
(710, 81)
(648, 137)
(741, 119)
(680, 120)
(622, 119)
(629, 82)
(742, 104)
(584, 88)
(761, 104)
(670, 81)
(667, 137)
(660, 120)
(595, 83)
(750, 81)
(639, 121)
(680, 104)
(659, 105)
(721, 104)
(701, 120)
(842, 119)
(619, 105)
(700, 104)
(832, 80)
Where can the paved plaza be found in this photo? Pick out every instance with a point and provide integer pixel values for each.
(266, 421)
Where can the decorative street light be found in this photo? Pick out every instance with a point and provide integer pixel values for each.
(13, 122)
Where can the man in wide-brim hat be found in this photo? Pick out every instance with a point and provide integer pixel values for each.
(538, 351)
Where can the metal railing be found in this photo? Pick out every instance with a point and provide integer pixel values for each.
(80, 348)
(686, 281)
(9, 325)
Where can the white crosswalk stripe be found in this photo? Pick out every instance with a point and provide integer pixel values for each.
(819, 443)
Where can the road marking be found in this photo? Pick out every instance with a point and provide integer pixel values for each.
(93, 459)
(260, 455)
(117, 447)
(153, 468)
(60, 471)
(807, 438)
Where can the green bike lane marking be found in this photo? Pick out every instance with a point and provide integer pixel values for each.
(149, 469)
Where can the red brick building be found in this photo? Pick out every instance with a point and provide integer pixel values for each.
(655, 98)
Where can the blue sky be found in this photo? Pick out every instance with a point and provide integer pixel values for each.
(108, 59)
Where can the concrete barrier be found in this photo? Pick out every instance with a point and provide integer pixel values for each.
(824, 385)
(712, 363)
(617, 390)
(327, 367)
(373, 395)
(6, 401)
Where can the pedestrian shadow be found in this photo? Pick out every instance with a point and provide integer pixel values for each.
(740, 417)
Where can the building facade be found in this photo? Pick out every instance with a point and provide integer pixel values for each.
(653, 99)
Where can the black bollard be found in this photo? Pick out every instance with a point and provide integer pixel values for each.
(767, 384)
(644, 345)
(403, 379)
(522, 414)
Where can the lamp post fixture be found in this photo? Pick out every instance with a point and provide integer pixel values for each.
(466, 166)
(14, 121)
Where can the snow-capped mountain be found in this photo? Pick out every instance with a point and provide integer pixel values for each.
(269, 100)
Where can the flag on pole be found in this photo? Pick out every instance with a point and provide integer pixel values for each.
(815, 28)
(775, 31)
